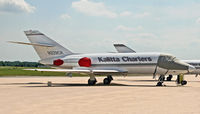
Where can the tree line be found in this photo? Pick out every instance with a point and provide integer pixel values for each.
(21, 64)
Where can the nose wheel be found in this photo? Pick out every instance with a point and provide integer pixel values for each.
(159, 84)
(161, 80)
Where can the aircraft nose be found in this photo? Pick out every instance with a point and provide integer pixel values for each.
(191, 68)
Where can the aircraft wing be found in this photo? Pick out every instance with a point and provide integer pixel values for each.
(110, 72)
(86, 71)
(60, 70)
(121, 48)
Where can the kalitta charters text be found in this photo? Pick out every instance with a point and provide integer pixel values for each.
(124, 59)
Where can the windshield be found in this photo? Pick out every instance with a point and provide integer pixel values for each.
(169, 58)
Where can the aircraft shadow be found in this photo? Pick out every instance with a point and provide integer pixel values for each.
(193, 81)
(86, 85)
(21, 83)
(142, 80)
(40, 84)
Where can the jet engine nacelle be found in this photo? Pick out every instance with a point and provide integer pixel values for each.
(84, 62)
(77, 62)
(58, 62)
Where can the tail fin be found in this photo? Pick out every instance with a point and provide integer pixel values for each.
(44, 46)
(121, 48)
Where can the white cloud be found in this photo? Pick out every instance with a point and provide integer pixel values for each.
(15, 6)
(125, 28)
(65, 16)
(125, 13)
(141, 15)
(198, 20)
(141, 35)
(93, 8)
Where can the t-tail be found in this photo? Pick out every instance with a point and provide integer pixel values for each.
(44, 46)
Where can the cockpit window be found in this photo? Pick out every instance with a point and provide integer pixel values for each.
(169, 58)
(175, 59)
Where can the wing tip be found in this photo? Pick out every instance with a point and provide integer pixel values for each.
(118, 44)
(33, 32)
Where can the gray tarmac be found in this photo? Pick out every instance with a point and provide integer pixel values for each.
(126, 95)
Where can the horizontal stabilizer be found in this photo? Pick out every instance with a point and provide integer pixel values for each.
(34, 44)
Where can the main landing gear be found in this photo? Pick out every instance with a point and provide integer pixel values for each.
(92, 80)
(106, 81)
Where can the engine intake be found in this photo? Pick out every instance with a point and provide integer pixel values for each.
(84, 62)
(58, 62)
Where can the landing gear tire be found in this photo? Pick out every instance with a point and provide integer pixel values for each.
(169, 78)
(161, 79)
(110, 77)
(91, 82)
(106, 81)
(184, 82)
(159, 84)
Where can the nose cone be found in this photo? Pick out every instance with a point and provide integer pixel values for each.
(191, 68)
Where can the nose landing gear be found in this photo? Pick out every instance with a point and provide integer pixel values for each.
(161, 80)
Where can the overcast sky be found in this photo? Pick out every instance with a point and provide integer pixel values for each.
(91, 26)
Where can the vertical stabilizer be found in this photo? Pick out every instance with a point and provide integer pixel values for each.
(121, 48)
(44, 46)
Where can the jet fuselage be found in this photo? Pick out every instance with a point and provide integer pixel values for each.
(133, 63)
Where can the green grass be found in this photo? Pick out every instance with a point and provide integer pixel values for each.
(18, 71)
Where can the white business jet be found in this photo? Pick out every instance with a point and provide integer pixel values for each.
(53, 54)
